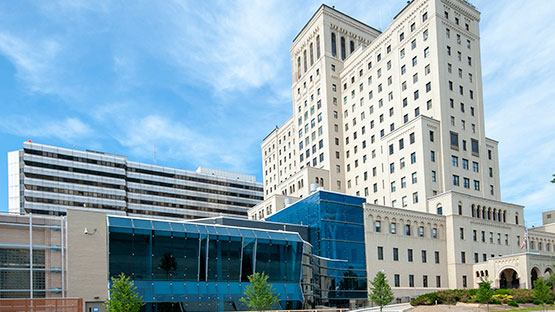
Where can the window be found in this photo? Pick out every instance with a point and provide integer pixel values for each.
(433, 176)
(414, 61)
(411, 139)
(440, 210)
(393, 228)
(403, 182)
(465, 281)
(475, 166)
(434, 233)
(454, 140)
(396, 279)
(426, 52)
(456, 180)
(414, 178)
(476, 185)
(425, 281)
(436, 256)
(424, 258)
(455, 161)
(420, 231)
(428, 87)
(475, 148)
(413, 158)
(409, 255)
(378, 226)
(411, 280)
(395, 254)
(424, 16)
(463, 257)
(433, 156)
(407, 229)
(343, 49)
(380, 253)
(413, 44)
(466, 182)
(461, 233)
(333, 45)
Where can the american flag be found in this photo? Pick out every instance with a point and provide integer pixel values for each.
(524, 240)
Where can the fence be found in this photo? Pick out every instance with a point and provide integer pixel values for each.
(42, 305)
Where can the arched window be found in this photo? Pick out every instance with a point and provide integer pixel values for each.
(489, 213)
(299, 67)
(333, 45)
(494, 214)
(304, 60)
(352, 46)
(516, 217)
(439, 210)
(473, 211)
(311, 54)
(322, 182)
(317, 47)
(484, 213)
(343, 49)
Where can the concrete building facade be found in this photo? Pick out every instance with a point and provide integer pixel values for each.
(51, 180)
(397, 117)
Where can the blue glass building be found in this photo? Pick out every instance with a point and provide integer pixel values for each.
(336, 233)
(185, 266)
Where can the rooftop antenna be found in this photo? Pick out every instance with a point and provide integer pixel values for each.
(155, 154)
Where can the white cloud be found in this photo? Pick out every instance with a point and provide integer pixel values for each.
(175, 140)
(518, 57)
(69, 129)
(239, 45)
(32, 58)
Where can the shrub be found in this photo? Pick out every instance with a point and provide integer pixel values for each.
(425, 299)
(549, 301)
(503, 298)
(524, 295)
(495, 301)
(512, 304)
(502, 292)
(537, 302)
(521, 301)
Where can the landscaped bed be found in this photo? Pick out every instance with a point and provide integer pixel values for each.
(503, 299)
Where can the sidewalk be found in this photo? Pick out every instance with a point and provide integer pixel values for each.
(401, 307)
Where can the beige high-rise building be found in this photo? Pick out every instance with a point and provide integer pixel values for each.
(397, 117)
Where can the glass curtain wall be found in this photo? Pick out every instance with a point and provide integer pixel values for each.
(197, 267)
(336, 233)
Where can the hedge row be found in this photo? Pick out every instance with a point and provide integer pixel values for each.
(469, 296)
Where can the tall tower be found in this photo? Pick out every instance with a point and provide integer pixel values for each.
(313, 136)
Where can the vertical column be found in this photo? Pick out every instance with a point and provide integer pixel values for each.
(31, 255)
(62, 242)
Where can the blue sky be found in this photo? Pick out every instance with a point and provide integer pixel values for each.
(205, 81)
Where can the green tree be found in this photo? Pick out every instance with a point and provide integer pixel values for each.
(380, 292)
(541, 290)
(123, 296)
(553, 181)
(259, 295)
(485, 292)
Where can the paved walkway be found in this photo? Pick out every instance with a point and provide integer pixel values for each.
(402, 307)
